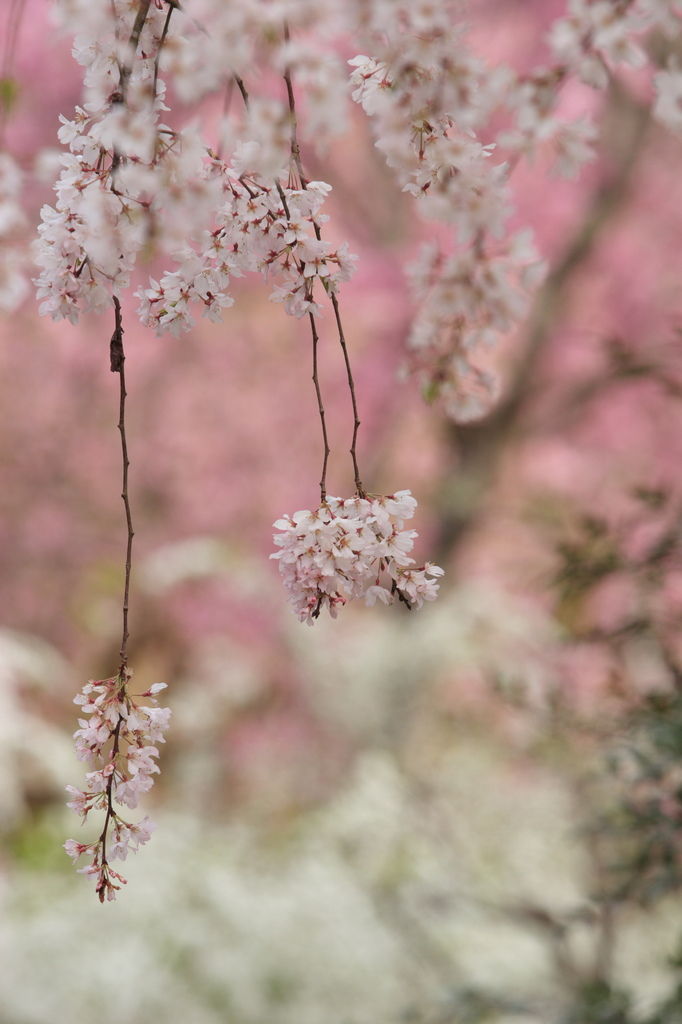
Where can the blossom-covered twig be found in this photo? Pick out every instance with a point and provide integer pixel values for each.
(296, 160)
(430, 98)
(118, 741)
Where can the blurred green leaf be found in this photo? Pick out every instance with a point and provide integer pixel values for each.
(9, 94)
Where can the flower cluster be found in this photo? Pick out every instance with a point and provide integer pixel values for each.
(90, 239)
(118, 741)
(352, 548)
(260, 226)
(131, 184)
(596, 36)
(468, 298)
(429, 98)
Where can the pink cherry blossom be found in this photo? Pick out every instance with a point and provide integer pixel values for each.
(118, 742)
(352, 548)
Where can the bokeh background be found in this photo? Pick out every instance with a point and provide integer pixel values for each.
(464, 814)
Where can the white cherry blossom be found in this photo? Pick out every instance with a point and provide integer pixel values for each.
(352, 548)
(118, 740)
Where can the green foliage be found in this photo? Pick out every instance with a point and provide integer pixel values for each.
(598, 1003)
(648, 824)
(9, 94)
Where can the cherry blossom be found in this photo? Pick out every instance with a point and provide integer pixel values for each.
(213, 205)
(429, 98)
(118, 740)
(352, 548)
(130, 184)
(261, 226)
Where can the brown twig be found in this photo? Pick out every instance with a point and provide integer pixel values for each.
(242, 89)
(351, 385)
(117, 366)
(138, 25)
(111, 813)
(172, 4)
(320, 406)
(296, 156)
(295, 150)
(284, 200)
(125, 68)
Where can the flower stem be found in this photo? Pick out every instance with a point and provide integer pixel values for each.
(320, 406)
(296, 157)
(171, 8)
(351, 385)
(117, 366)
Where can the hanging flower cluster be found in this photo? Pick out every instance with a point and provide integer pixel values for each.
(118, 151)
(430, 98)
(118, 741)
(131, 183)
(427, 96)
(260, 226)
(352, 548)
(240, 202)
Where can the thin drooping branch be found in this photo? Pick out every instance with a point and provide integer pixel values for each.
(138, 25)
(320, 406)
(242, 89)
(172, 4)
(125, 70)
(296, 157)
(110, 812)
(351, 386)
(117, 366)
(125, 67)
(284, 201)
(297, 161)
(295, 150)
